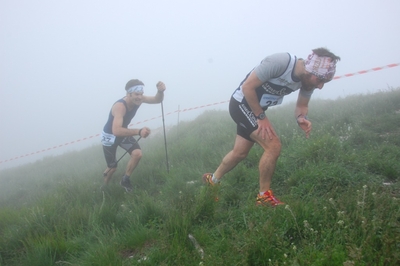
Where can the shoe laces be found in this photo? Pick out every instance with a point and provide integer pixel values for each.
(268, 196)
(208, 178)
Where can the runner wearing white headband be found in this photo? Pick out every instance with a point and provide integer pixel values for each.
(265, 86)
(321, 66)
(136, 88)
(116, 132)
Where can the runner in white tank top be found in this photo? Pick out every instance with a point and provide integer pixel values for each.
(265, 86)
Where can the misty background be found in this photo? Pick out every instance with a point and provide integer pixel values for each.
(64, 63)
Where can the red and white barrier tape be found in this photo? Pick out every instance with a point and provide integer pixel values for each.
(185, 110)
(366, 71)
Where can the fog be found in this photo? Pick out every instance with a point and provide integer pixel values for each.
(64, 63)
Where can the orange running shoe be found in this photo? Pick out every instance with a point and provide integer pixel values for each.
(268, 199)
(207, 179)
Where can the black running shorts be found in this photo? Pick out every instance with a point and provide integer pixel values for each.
(129, 144)
(244, 118)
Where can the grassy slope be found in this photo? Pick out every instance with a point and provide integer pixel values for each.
(338, 211)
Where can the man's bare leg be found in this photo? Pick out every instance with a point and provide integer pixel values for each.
(136, 155)
(272, 149)
(236, 155)
(108, 173)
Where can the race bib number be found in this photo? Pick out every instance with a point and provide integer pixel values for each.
(268, 100)
(107, 139)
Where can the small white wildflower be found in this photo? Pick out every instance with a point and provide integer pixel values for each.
(340, 222)
(287, 207)
(340, 213)
(285, 255)
(294, 247)
(140, 260)
(324, 208)
(331, 200)
(365, 187)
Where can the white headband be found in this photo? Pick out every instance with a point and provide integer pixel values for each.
(322, 67)
(136, 88)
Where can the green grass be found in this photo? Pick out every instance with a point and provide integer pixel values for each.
(341, 188)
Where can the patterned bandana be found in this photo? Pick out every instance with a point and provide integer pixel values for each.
(136, 88)
(322, 67)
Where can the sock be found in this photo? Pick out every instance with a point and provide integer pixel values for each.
(262, 193)
(125, 177)
(214, 179)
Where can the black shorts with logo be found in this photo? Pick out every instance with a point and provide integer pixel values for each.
(244, 118)
(128, 143)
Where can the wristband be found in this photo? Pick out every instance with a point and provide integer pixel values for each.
(304, 116)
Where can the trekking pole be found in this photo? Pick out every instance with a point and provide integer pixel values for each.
(120, 157)
(165, 138)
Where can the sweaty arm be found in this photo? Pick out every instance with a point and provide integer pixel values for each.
(249, 92)
(270, 67)
(118, 111)
(301, 105)
(301, 113)
(265, 128)
(159, 95)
